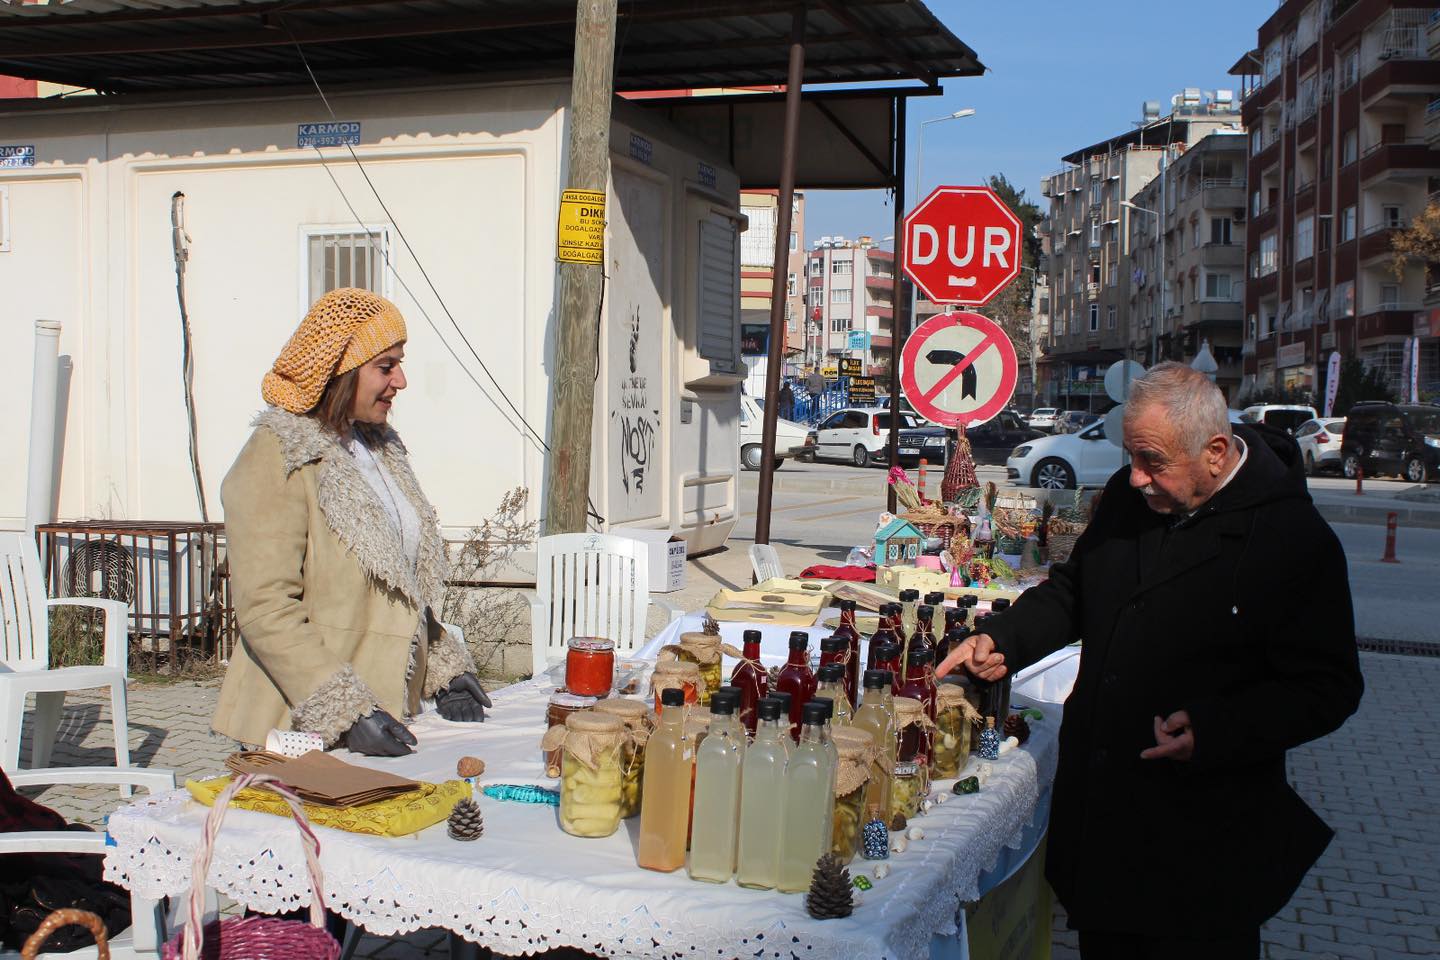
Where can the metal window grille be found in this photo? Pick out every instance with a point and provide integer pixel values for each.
(351, 258)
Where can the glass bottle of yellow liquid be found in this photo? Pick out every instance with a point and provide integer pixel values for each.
(716, 820)
(665, 794)
(832, 688)
(877, 715)
(762, 784)
(809, 802)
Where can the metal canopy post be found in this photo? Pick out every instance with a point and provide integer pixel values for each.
(775, 353)
(899, 323)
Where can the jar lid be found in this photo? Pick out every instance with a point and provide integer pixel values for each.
(574, 701)
(908, 710)
(589, 721)
(592, 644)
(621, 707)
(683, 669)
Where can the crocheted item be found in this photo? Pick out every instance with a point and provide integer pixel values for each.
(343, 330)
(522, 793)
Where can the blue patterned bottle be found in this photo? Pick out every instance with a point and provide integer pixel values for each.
(989, 746)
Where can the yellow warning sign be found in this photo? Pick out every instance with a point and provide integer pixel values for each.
(580, 236)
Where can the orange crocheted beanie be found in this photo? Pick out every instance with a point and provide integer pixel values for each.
(343, 330)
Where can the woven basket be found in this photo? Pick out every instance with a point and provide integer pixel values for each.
(1061, 545)
(254, 937)
(64, 918)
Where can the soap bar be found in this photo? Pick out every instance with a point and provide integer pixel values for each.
(968, 785)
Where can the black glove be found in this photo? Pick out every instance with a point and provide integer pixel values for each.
(377, 734)
(462, 700)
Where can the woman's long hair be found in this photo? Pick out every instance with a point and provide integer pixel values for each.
(336, 404)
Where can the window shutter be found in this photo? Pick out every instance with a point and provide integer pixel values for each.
(719, 307)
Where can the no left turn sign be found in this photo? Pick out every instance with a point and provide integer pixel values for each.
(958, 369)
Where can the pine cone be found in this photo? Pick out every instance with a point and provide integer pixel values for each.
(710, 626)
(829, 897)
(1015, 726)
(466, 823)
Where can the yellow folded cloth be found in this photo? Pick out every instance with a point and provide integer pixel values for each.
(397, 817)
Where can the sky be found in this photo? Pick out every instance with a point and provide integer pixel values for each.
(1061, 75)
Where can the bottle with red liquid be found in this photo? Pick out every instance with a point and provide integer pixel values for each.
(834, 649)
(887, 632)
(750, 678)
(797, 679)
(852, 637)
(919, 681)
(888, 656)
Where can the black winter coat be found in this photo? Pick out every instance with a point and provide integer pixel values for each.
(1241, 615)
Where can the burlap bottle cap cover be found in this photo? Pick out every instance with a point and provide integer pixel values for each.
(909, 711)
(674, 674)
(639, 719)
(703, 648)
(951, 696)
(587, 736)
(857, 758)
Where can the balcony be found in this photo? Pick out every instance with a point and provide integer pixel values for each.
(1375, 240)
(1412, 159)
(1222, 255)
(1406, 73)
(1432, 122)
(1222, 193)
(1216, 313)
(1387, 320)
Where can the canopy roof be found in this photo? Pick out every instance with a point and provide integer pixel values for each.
(121, 46)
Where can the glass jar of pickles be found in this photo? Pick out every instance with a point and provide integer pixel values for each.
(592, 775)
(590, 666)
(955, 721)
(857, 761)
(704, 649)
(561, 705)
(912, 761)
(639, 721)
(680, 674)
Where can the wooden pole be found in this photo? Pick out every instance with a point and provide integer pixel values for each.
(776, 351)
(899, 327)
(581, 283)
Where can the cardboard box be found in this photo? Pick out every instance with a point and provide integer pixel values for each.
(667, 558)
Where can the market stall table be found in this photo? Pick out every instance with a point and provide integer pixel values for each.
(525, 886)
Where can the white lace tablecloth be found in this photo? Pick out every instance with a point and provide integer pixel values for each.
(526, 887)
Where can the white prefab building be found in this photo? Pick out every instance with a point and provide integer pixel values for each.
(448, 206)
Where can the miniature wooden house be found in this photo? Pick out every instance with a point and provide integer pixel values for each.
(898, 542)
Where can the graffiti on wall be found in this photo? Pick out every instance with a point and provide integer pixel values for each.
(636, 420)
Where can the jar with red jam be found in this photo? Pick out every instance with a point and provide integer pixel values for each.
(590, 666)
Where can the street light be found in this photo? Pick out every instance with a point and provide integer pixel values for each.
(920, 145)
(1160, 266)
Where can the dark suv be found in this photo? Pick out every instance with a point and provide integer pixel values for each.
(1392, 438)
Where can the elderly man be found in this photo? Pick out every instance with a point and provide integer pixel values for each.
(1215, 612)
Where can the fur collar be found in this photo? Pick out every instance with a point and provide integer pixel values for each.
(353, 511)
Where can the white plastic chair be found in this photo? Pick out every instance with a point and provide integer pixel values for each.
(590, 585)
(147, 921)
(25, 660)
(765, 562)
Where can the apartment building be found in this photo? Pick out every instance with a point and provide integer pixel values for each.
(1341, 109)
(851, 302)
(1093, 317)
(757, 268)
(1199, 293)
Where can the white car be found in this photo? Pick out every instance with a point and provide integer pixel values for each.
(1067, 460)
(1319, 442)
(1043, 418)
(861, 436)
(1283, 416)
(789, 436)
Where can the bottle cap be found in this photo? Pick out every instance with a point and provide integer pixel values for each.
(814, 713)
(999, 604)
(919, 656)
(831, 673)
(799, 640)
(935, 598)
(876, 679)
(847, 606)
(833, 644)
(972, 599)
(728, 691)
(927, 612)
(783, 697)
(906, 596)
(672, 697)
(886, 651)
(768, 709)
(825, 702)
(751, 636)
(723, 706)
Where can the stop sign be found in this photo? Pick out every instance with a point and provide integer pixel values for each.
(962, 245)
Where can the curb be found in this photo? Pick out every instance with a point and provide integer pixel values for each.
(1405, 516)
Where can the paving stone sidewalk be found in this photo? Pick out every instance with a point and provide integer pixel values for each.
(1374, 895)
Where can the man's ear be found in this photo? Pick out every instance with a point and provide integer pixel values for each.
(1215, 452)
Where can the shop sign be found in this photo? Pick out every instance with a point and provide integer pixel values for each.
(850, 367)
(1427, 323)
(1290, 354)
(862, 391)
(830, 373)
(333, 133)
(1327, 340)
(754, 340)
(858, 340)
(17, 155)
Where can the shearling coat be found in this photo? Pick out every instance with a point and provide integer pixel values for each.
(329, 610)
(1240, 615)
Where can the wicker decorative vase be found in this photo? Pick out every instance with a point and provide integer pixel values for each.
(254, 937)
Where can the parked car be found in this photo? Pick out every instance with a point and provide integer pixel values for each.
(1392, 438)
(789, 436)
(1073, 421)
(861, 435)
(1043, 418)
(1319, 442)
(992, 441)
(1065, 460)
(1285, 416)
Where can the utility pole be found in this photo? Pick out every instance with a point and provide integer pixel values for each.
(582, 268)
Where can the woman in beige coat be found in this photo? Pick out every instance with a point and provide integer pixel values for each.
(336, 562)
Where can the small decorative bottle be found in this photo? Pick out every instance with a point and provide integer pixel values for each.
(875, 836)
(989, 745)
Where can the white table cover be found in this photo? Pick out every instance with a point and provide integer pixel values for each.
(526, 886)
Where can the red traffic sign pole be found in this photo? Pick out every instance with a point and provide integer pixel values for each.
(962, 245)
